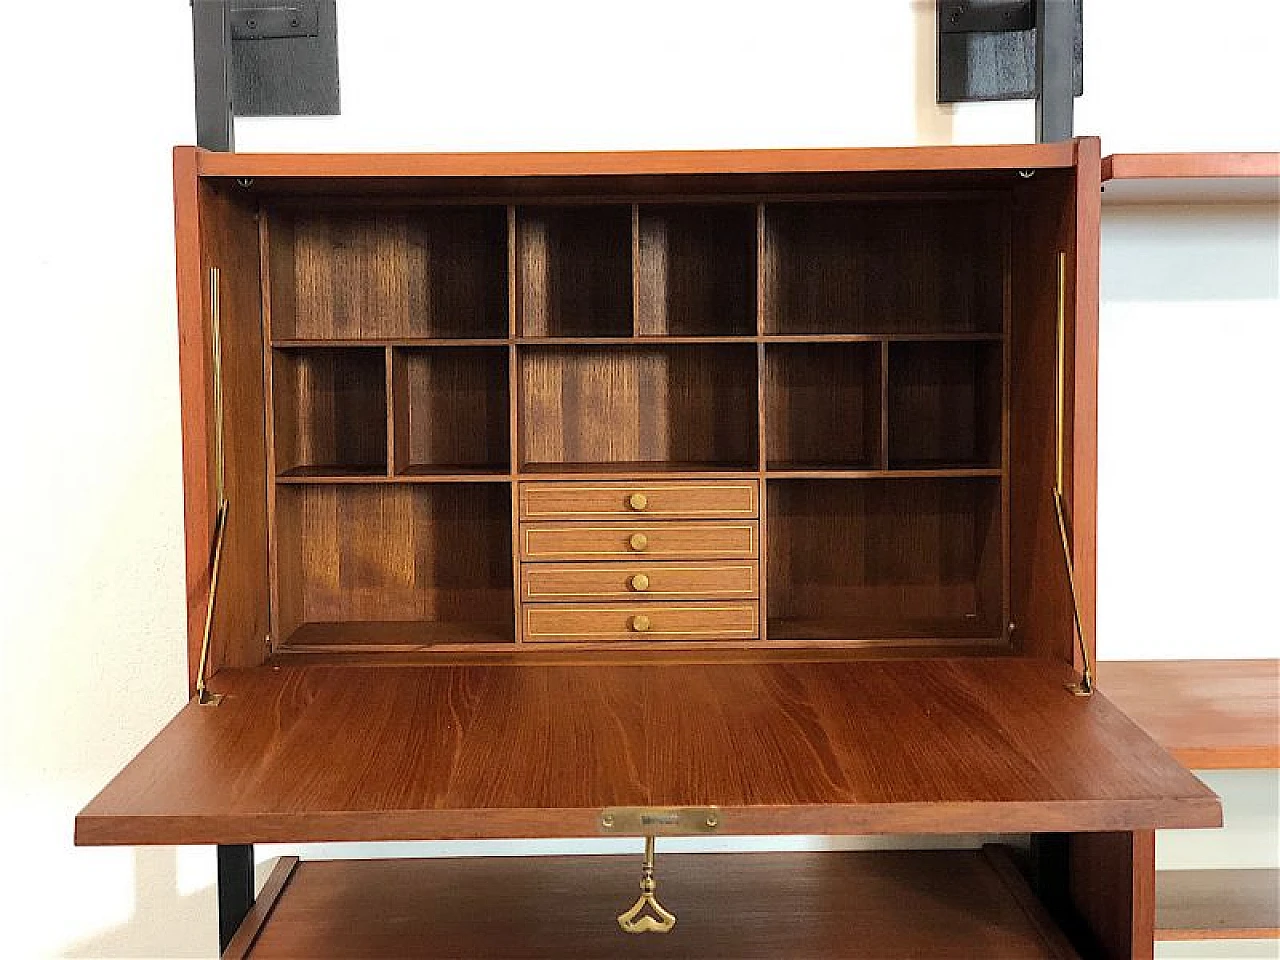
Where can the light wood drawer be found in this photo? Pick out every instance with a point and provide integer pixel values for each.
(665, 540)
(719, 580)
(589, 622)
(689, 500)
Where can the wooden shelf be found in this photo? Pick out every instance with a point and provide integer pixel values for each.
(1210, 714)
(309, 753)
(1191, 178)
(1217, 904)
(394, 637)
(937, 904)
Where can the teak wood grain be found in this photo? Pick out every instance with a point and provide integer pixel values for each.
(1210, 714)
(1218, 904)
(685, 500)
(390, 753)
(661, 540)
(659, 621)
(802, 906)
(640, 580)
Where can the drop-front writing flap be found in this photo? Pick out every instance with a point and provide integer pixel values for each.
(316, 753)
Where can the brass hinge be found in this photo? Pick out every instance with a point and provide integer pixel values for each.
(1084, 686)
(203, 696)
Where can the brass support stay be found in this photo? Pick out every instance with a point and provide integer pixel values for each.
(647, 915)
(1084, 686)
(203, 696)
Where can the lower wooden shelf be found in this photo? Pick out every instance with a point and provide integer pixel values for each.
(1217, 904)
(802, 906)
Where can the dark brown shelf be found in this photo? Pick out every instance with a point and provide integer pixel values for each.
(638, 468)
(1217, 904)
(394, 637)
(298, 344)
(806, 906)
(335, 473)
(779, 470)
(1210, 714)
(903, 631)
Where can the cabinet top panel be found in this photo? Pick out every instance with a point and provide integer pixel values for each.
(655, 162)
(299, 754)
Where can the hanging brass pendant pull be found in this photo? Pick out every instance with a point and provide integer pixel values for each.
(647, 915)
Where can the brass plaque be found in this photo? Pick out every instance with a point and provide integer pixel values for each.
(659, 821)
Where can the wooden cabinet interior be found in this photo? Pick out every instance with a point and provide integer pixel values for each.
(872, 353)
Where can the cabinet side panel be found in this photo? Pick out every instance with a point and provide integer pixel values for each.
(1040, 601)
(1112, 889)
(217, 229)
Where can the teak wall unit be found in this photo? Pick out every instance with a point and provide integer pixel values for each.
(563, 495)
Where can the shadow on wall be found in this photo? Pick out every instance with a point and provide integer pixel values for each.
(165, 923)
(1188, 253)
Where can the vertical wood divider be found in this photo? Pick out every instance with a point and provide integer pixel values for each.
(1006, 397)
(269, 427)
(883, 460)
(389, 360)
(635, 270)
(513, 418)
(762, 432)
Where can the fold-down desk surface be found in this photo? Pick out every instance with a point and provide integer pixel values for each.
(313, 753)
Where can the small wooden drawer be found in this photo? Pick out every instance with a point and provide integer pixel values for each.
(682, 499)
(590, 622)
(665, 540)
(717, 580)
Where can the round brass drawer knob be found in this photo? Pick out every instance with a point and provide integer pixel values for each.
(638, 541)
(640, 623)
(640, 582)
(637, 501)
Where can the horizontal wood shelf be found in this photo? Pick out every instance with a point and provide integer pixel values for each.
(532, 750)
(1210, 714)
(1217, 904)
(1191, 178)
(937, 904)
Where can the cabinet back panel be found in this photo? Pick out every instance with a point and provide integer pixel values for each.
(696, 270)
(893, 266)
(436, 272)
(451, 408)
(885, 558)
(330, 410)
(574, 265)
(438, 552)
(692, 403)
(822, 404)
(945, 404)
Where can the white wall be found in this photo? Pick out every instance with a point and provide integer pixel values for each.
(91, 594)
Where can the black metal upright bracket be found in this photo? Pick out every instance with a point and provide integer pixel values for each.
(1013, 50)
(235, 890)
(262, 58)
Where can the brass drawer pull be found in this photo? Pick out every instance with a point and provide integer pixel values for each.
(640, 583)
(640, 623)
(638, 542)
(637, 501)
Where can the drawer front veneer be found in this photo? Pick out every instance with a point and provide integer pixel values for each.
(665, 540)
(687, 500)
(591, 622)
(715, 580)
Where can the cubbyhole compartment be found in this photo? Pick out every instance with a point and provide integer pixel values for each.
(888, 560)
(668, 407)
(822, 405)
(393, 566)
(696, 270)
(330, 411)
(945, 402)
(434, 272)
(885, 265)
(452, 410)
(574, 271)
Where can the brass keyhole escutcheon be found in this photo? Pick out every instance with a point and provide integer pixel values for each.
(638, 541)
(640, 582)
(637, 501)
(640, 623)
